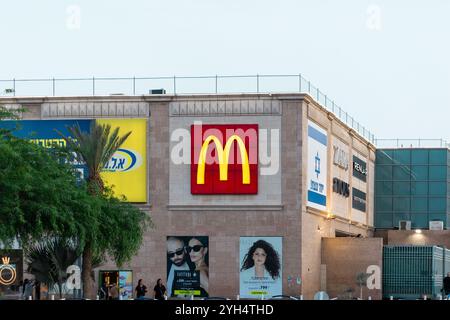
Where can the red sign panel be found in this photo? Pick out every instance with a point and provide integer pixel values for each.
(224, 159)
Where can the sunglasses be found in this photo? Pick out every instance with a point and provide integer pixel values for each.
(179, 252)
(196, 248)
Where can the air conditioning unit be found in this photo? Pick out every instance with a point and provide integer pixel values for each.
(404, 225)
(436, 225)
(157, 91)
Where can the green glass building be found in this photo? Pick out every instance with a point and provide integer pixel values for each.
(412, 184)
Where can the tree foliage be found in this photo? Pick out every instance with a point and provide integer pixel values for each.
(41, 197)
(49, 259)
(38, 194)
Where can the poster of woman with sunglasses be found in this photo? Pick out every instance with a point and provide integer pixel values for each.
(187, 266)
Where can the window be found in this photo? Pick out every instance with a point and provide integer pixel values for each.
(384, 156)
(419, 204)
(437, 204)
(383, 204)
(401, 204)
(401, 188)
(383, 220)
(419, 188)
(438, 188)
(419, 156)
(419, 173)
(402, 172)
(402, 156)
(438, 156)
(419, 220)
(383, 173)
(383, 188)
(438, 173)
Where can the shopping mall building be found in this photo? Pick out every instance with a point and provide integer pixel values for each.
(223, 176)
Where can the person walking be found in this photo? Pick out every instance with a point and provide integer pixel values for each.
(141, 290)
(159, 290)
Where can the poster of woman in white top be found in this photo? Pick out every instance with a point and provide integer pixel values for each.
(260, 267)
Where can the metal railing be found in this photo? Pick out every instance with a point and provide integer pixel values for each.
(217, 84)
(412, 143)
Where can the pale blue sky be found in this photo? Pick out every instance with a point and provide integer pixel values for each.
(386, 62)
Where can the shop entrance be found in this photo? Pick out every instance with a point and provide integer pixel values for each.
(123, 279)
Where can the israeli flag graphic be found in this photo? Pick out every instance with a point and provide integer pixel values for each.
(317, 166)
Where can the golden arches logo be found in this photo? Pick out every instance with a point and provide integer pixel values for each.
(7, 267)
(223, 154)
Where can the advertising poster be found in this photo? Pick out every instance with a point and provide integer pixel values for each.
(126, 172)
(187, 266)
(260, 267)
(317, 166)
(125, 285)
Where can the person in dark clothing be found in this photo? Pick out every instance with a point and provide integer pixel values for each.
(447, 285)
(160, 290)
(141, 289)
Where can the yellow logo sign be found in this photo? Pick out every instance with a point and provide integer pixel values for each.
(223, 155)
(7, 272)
(127, 170)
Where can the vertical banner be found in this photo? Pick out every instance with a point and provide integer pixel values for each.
(127, 169)
(187, 266)
(317, 166)
(125, 285)
(260, 267)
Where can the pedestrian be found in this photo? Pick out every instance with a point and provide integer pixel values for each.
(113, 292)
(141, 289)
(27, 289)
(446, 287)
(103, 292)
(160, 290)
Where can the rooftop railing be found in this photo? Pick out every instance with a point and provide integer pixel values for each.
(411, 143)
(217, 84)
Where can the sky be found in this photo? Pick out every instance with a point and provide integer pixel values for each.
(385, 62)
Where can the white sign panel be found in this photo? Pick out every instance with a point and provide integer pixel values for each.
(317, 166)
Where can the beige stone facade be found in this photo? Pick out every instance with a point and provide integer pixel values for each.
(278, 209)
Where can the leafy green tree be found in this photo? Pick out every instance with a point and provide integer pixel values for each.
(117, 228)
(39, 195)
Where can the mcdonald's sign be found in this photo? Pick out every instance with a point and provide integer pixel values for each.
(224, 159)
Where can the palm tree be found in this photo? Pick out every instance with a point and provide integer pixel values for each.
(94, 149)
(361, 281)
(49, 259)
